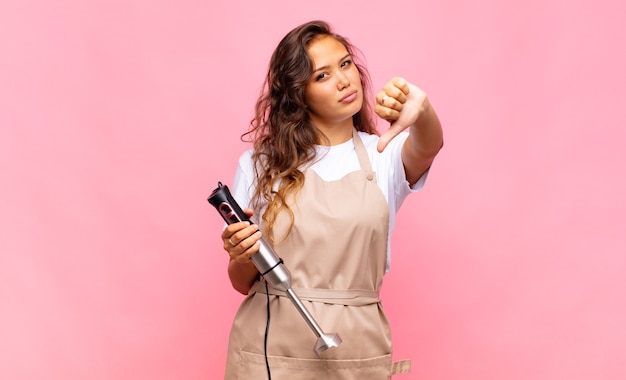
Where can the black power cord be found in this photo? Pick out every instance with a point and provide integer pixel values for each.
(267, 328)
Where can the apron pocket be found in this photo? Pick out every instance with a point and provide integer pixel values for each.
(252, 366)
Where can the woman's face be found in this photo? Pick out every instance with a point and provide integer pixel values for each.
(334, 92)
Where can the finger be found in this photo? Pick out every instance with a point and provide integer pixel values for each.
(235, 228)
(249, 212)
(392, 98)
(401, 84)
(387, 113)
(385, 101)
(249, 240)
(248, 247)
(393, 131)
(239, 235)
(231, 229)
(381, 97)
(397, 88)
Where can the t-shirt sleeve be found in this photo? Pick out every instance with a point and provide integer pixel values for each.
(399, 184)
(242, 188)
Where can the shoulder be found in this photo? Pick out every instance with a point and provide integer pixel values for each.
(246, 155)
(243, 182)
(245, 161)
(245, 168)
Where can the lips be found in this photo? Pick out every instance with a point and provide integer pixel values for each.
(349, 97)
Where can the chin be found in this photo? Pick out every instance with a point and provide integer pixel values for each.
(358, 106)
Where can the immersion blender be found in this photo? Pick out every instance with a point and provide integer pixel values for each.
(270, 265)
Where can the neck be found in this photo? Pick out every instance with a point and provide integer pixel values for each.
(337, 134)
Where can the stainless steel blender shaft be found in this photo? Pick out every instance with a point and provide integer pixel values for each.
(324, 341)
(277, 275)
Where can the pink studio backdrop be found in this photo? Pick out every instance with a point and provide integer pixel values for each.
(117, 119)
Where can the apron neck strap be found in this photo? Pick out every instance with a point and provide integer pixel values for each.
(361, 152)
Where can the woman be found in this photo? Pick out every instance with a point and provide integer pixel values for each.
(325, 188)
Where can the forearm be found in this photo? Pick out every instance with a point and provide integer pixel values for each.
(242, 276)
(424, 142)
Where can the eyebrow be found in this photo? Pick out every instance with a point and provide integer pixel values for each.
(325, 67)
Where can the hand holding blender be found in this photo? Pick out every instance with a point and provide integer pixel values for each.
(270, 265)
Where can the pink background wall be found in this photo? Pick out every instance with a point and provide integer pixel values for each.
(117, 119)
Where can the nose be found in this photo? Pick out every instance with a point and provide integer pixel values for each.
(342, 81)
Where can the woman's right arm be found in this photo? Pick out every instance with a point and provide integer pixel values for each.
(241, 241)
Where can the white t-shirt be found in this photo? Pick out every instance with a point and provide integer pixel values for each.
(338, 160)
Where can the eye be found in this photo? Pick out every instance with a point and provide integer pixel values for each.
(321, 76)
(346, 63)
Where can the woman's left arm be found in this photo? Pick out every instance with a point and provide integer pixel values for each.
(405, 105)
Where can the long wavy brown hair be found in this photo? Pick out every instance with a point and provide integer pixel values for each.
(282, 132)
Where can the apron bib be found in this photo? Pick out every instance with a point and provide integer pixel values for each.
(336, 253)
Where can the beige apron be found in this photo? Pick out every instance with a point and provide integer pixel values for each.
(336, 253)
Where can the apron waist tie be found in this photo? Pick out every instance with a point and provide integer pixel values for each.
(347, 297)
